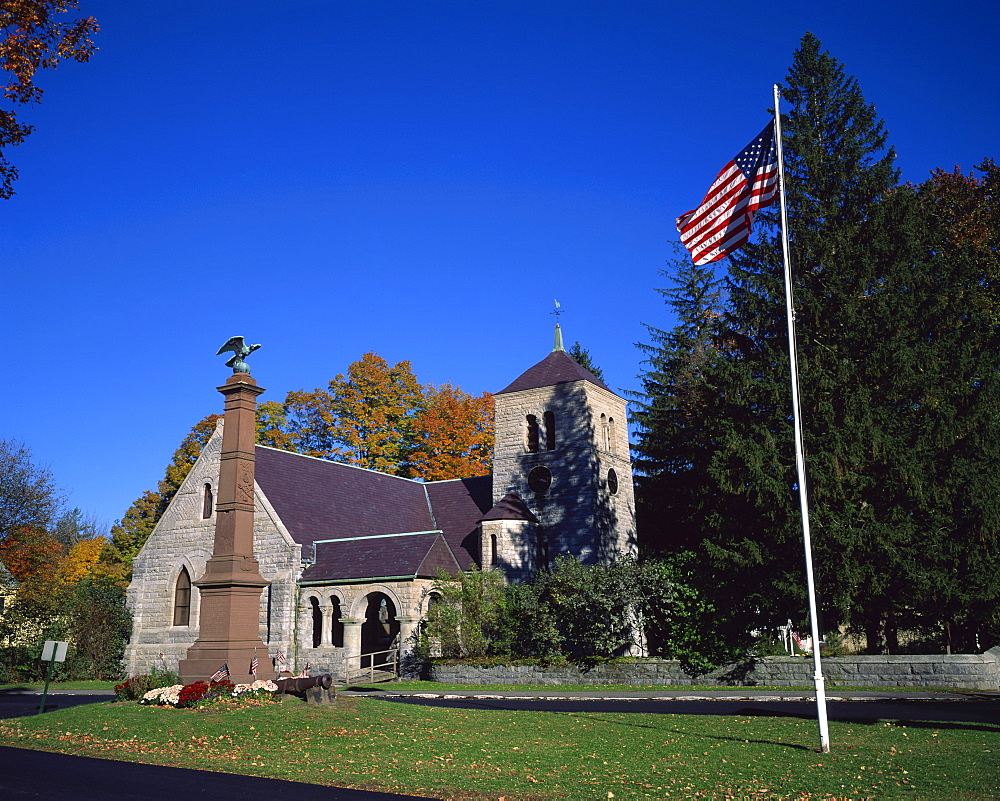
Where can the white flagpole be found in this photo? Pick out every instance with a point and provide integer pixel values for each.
(800, 465)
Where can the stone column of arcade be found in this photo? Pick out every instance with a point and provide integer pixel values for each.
(229, 630)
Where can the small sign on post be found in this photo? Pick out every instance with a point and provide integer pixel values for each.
(52, 651)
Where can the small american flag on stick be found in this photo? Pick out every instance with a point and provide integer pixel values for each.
(253, 665)
(748, 183)
(221, 674)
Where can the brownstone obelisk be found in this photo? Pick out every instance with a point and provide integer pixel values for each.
(230, 588)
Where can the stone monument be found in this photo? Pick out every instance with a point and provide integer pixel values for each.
(229, 630)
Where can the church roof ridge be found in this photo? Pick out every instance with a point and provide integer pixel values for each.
(381, 536)
(446, 480)
(556, 368)
(340, 464)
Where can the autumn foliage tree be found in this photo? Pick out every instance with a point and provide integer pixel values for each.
(32, 555)
(33, 36)
(365, 417)
(454, 435)
(63, 591)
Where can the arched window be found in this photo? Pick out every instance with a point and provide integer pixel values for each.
(337, 629)
(611, 434)
(493, 549)
(550, 431)
(206, 509)
(182, 599)
(317, 622)
(603, 443)
(532, 433)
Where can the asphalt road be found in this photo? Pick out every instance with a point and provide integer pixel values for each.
(973, 710)
(56, 777)
(16, 704)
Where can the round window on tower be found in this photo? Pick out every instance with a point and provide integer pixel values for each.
(539, 479)
(612, 481)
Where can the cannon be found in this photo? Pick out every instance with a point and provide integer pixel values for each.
(315, 689)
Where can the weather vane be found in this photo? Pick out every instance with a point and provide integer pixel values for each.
(557, 310)
(242, 350)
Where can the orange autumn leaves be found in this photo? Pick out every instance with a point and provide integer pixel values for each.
(455, 435)
(380, 417)
(34, 37)
(46, 569)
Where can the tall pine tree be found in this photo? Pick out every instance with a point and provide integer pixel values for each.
(895, 343)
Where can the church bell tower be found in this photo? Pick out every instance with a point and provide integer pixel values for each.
(562, 451)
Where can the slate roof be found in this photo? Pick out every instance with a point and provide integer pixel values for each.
(510, 507)
(458, 507)
(321, 500)
(402, 555)
(368, 524)
(556, 368)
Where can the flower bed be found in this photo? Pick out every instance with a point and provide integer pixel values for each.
(201, 693)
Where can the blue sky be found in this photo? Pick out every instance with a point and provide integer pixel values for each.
(413, 177)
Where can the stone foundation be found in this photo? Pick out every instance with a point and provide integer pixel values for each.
(958, 671)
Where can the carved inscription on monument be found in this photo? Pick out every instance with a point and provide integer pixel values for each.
(244, 487)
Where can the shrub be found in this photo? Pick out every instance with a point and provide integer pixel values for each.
(134, 688)
(163, 677)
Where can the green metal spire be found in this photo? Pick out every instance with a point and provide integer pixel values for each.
(558, 340)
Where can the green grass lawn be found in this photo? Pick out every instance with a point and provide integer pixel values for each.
(480, 754)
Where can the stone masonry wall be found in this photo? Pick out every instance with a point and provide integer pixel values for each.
(578, 514)
(958, 671)
(184, 538)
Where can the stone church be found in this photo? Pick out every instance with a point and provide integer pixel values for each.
(352, 554)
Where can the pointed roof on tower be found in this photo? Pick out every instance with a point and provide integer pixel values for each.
(556, 368)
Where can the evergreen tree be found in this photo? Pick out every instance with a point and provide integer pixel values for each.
(671, 458)
(582, 357)
(844, 223)
(897, 345)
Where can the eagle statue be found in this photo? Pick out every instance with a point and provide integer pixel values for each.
(242, 350)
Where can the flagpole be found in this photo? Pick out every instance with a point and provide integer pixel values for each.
(800, 466)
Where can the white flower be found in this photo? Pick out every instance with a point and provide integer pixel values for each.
(163, 695)
(260, 684)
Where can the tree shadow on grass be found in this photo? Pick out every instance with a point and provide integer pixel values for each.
(856, 721)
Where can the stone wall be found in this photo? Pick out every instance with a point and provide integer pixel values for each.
(959, 671)
(579, 513)
(184, 538)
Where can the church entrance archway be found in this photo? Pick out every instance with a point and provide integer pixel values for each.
(379, 629)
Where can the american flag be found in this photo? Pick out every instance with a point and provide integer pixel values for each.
(253, 665)
(221, 674)
(305, 671)
(279, 659)
(721, 223)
